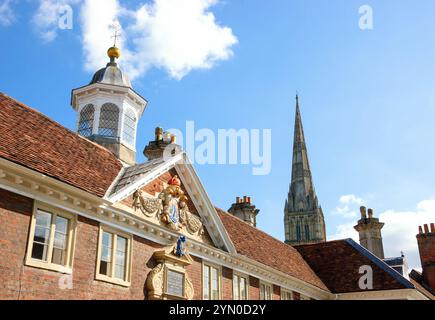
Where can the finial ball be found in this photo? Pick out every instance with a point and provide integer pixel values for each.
(114, 52)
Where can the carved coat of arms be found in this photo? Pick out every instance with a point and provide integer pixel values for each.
(170, 207)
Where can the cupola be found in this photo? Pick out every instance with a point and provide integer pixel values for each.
(109, 110)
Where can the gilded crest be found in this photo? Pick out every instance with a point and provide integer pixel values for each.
(170, 207)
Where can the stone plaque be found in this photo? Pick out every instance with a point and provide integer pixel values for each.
(175, 283)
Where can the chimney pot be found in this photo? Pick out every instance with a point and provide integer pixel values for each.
(249, 199)
(420, 230)
(370, 212)
(245, 199)
(159, 133)
(363, 212)
(426, 228)
(432, 227)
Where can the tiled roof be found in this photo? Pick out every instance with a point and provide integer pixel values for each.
(338, 263)
(417, 279)
(35, 141)
(132, 174)
(258, 245)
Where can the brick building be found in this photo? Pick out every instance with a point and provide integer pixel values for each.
(80, 219)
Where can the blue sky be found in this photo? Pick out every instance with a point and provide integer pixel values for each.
(367, 100)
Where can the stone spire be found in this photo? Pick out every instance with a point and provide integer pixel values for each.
(303, 217)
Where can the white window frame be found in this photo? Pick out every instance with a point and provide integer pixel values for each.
(72, 219)
(266, 284)
(244, 276)
(219, 275)
(287, 292)
(128, 265)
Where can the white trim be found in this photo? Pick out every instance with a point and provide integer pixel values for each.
(399, 294)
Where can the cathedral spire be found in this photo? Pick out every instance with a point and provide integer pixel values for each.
(301, 180)
(303, 217)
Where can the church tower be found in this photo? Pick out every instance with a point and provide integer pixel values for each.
(303, 217)
(109, 110)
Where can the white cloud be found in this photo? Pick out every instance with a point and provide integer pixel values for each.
(7, 16)
(399, 232)
(348, 205)
(175, 35)
(49, 15)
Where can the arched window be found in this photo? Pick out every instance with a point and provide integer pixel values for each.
(129, 126)
(109, 119)
(86, 121)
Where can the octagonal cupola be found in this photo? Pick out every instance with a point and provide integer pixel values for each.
(109, 110)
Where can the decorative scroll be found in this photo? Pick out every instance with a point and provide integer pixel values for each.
(171, 208)
(154, 282)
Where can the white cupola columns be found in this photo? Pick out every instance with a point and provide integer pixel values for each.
(109, 114)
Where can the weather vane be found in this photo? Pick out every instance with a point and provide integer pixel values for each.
(116, 27)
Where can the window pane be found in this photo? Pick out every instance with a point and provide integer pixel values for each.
(243, 289)
(236, 288)
(86, 120)
(175, 283)
(60, 244)
(206, 283)
(109, 118)
(120, 262)
(129, 126)
(41, 238)
(106, 254)
(214, 284)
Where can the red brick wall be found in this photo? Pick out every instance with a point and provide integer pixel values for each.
(194, 272)
(426, 247)
(19, 281)
(227, 284)
(276, 293)
(254, 288)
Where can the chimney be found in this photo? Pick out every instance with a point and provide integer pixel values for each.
(426, 248)
(244, 210)
(370, 236)
(164, 145)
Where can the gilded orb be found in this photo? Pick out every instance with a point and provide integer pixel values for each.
(114, 52)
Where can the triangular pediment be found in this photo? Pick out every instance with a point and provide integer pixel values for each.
(169, 193)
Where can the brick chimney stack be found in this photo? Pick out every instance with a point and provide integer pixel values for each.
(244, 210)
(426, 247)
(164, 144)
(370, 236)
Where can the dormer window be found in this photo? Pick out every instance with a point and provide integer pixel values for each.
(109, 119)
(128, 134)
(86, 121)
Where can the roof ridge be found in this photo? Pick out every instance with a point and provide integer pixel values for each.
(256, 229)
(56, 123)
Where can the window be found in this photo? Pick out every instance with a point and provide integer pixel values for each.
(51, 239)
(129, 127)
(114, 254)
(86, 121)
(307, 232)
(211, 282)
(298, 232)
(265, 291)
(109, 119)
(286, 295)
(240, 288)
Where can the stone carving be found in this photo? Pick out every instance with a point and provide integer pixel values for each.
(154, 282)
(188, 289)
(149, 206)
(171, 208)
(158, 281)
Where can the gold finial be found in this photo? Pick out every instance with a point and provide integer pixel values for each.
(114, 52)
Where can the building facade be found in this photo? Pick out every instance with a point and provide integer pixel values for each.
(81, 219)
